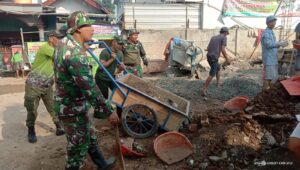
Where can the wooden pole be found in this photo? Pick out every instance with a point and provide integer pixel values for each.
(23, 46)
(186, 23)
(119, 148)
(22, 39)
(236, 40)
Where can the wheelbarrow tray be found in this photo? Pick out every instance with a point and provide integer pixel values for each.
(170, 116)
(292, 85)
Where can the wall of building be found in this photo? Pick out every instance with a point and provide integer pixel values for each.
(154, 41)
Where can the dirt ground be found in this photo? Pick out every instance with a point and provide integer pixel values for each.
(229, 141)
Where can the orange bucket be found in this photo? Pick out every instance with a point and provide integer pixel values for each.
(237, 103)
(172, 147)
(296, 45)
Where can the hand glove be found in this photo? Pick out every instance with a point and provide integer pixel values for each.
(145, 61)
(283, 43)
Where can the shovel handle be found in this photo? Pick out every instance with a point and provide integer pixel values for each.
(119, 148)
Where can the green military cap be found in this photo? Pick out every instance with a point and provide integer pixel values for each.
(63, 29)
(78, 19)
(56, 34)
(133, 31)
(119, 40)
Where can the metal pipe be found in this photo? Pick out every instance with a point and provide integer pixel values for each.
(33, 32)
(110, 52)
(108, 49)
(88, 14)
(56, 14)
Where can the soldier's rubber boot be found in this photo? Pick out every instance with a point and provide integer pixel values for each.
(72, 168)
(59, 129)
(31, 135)
(99, 159)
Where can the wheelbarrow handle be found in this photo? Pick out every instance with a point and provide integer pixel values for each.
(106, 72)
(110, 52)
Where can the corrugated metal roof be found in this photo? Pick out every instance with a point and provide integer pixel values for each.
(162, 16)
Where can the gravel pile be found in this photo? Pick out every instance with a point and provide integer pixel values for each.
(188, 89)
(235, 86)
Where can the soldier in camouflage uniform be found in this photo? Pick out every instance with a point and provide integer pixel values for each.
(110, 63)
(76, 92)
(133, 53)
(39, 85)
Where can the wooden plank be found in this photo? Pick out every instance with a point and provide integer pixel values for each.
(174, 122)
(179, 101)
(118, 96)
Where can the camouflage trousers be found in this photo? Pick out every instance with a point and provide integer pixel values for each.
(136, 70)
(104, 85)
(80, 137)
(33, 95)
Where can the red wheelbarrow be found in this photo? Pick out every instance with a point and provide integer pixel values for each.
(292, 85)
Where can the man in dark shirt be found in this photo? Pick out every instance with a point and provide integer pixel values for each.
(216, 45)
(109, 62)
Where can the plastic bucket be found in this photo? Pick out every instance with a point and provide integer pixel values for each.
(172, 147)
(237, 103)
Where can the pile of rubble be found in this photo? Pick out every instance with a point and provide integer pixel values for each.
(238, 140)
(226, 141)
(275, 100)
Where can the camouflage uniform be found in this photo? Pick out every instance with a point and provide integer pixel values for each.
(76, 92)
(133, 53)
(102, 80)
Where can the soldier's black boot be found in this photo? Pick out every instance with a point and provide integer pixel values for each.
(72, 168)
(99, 159)
(59, 129)
(31, 135)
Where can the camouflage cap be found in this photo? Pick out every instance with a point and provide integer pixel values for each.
(119, 40)
(76, 20)
(63, 29)
(56, 34)
(133, 31)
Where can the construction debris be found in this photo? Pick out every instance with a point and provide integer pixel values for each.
(275, 100)
(246, 136)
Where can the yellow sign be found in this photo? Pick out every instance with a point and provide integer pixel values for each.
(32, 49)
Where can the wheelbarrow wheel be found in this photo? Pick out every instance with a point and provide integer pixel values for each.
(139, 121)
